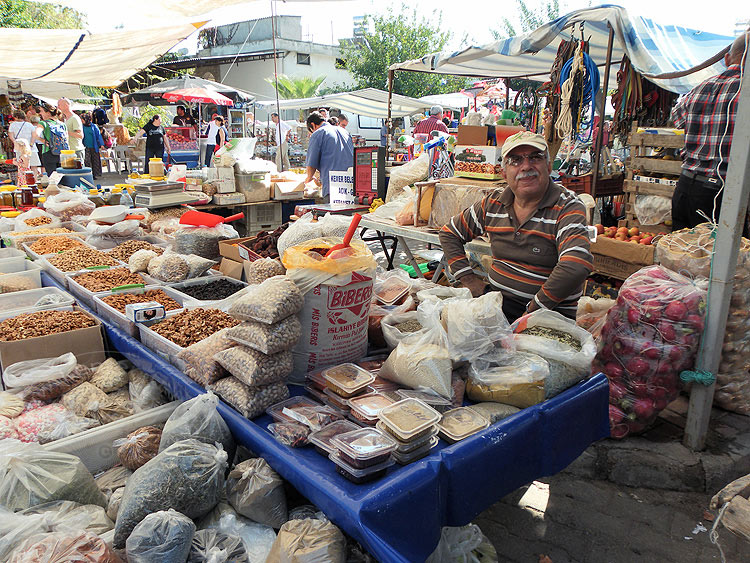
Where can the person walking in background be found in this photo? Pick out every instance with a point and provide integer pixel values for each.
(281, 132)
(212, 131)
(92, 141)
(54, 138)
(36, 142)
(23, 129)
(74, 125)
(156, 140)
(330, 149)
(432, 123)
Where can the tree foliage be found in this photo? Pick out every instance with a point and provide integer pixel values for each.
(291, 87)
(397, 37)
(529, 18)
(22, 13)
(134, 124)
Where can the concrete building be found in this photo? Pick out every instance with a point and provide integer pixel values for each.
(241, 55)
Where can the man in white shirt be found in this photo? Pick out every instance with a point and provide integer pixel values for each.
(211, 132)
(282, 146)
(74, 125)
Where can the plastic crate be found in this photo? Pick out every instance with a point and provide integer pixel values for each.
(86, 296)
(161, 346)
(115, 317)
(26, 246)
(192, 301)
(10, 253)
(59, 275)
(265, 213)
(15, 260)
(16, 241)
(16, 277)
(12, 304)
(94, 446)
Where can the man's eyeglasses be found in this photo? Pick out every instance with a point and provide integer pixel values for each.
(534, 158)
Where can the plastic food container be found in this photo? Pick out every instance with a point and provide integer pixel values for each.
(347, 379)
(408, 447)
(115, 317)
(461, 423)
(322, 438)
(369, 406)
(391, 290)
(359, 476)
(10, 253)
(202, 281)
(34, 256)
(86, 296)
(275, 411)
(364, 447)
(316, 393)
(419, 453)
(18, 302)
(438, 403)
(317, 380)
(20, 237)
(160, 345)
(336, 400)
(16, 277)
(373, 364)
(409, 419)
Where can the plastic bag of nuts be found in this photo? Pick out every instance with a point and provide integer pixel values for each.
(51, 390)
(140, 260)
(262, 269)
(89, 401)
(138, 447)
(169, 267)
(249, 401)
(191, 326)
(268, 339)
(109, 376)
(255, 368)
(269, 302)
(125, 250)
(201, 366)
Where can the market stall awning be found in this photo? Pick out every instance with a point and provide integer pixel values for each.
(369, 102)
(654, 49)
(75, 56)
(153, 94)
(45, 90)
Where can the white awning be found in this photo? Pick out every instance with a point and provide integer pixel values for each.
(45, 90)
(76, 56)
(653, 49)
(369, 102)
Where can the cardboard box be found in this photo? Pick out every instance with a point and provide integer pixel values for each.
(231, 268)
(479, 162)
(194, 182)
(472, 135)
(288, 190)
(229, 248)
(86, 343)
(229, 199)
(225, 172)
(225, 186)
(619, 259)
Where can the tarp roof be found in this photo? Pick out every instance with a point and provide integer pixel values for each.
(368, 102)
(46, 90)
(76, 56)
(653, 49)
(152, 94)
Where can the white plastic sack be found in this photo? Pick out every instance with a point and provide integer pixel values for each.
(104, 237)
(20, 224)
(198, 419)
(391, 334)
(29, 372)
(407, 174)
(68, 204)
(475, 327)
(464, 544)
(442, 293)
(653, 209)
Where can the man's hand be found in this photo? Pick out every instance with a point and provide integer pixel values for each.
(474, 283)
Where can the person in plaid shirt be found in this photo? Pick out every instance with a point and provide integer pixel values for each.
(707, 113)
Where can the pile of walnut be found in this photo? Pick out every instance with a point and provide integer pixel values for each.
(193, 325)
(42, 323)
(264, 243)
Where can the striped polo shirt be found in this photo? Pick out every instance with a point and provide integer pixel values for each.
(545, 261)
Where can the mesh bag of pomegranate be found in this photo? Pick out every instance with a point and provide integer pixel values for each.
(649, 337)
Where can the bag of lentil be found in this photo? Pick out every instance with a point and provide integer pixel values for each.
(163, 536)
(187, 476)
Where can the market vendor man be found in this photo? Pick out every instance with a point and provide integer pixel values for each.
(538, 235)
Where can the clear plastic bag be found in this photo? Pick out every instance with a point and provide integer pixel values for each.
(11, 405)
(212, 546)
(140, 259)
(109, 376)
(653, 209)
(476, 327)
(442, 293)
(198, 419)
(50, 422)
(257, 538)
(7, 428)
(255, 368)
(308, 541)
(188, 476)
(199, 358)
(31, 475)
(464, 544)
(90, 517)
(113, 479)
(197, 265)
(413, 171)
(69, 204)
(203, 241)
(568, 363)
(650, 336)
(150, 396)
(266, 338)
(290, 433)
(113, 504)
(51, 390)
(139, 447)
(269, 302)
(35, 218)
(163, 536)
(169, 267)
(65, 547)
(249, 401)
(494, 411)
(420, 361)
(262, 269)
(303, 229)
(257, 492)
(65, 425)
(104, 237)
(28, 372)
(89, 401)
(518, 379)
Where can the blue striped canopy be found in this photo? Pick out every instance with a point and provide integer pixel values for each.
(654, 49)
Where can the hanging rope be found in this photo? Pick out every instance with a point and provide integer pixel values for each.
(698, 376)
(580, 83)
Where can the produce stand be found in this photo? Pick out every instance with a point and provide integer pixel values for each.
(448, 488)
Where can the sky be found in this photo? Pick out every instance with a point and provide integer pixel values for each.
(326, 22)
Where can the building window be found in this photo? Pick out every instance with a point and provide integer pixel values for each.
(369, 122)
(303, 59)
(340, 63)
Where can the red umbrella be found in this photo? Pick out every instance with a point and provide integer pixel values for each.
(201, 95)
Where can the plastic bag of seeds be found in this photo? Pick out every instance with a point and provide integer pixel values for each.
(31, 475)
(89, 517)
(109, 376)
(308, 541)
(161, 537)
(255, 368)
(257, 492)
(212, 546)
(249, 401)
(113, 479)
(11, 405)
(140, 259)
(201, 366)
(262, 269)
(269, 302)
(113, 504)
(64, 426)
(397, 326)
(188, 476)
(169, 268)
(197, 265)
(150, 396)
(51, 390)
(266, 338)
(198, 419)
(68, 546)
(138, 447)
(203, 241)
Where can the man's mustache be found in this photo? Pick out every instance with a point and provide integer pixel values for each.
(527, 174)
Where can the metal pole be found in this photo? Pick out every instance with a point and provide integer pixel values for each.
(724, 264)
(388, 121)
(507, 95)
(276, 79)
(600, 131)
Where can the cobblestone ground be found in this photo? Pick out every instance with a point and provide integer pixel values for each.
(569, 519)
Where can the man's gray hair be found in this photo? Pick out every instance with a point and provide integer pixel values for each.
(436, 110)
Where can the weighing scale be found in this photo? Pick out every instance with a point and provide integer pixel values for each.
(369, 174)
(152, 194)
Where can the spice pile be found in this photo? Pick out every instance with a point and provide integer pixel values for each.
(119, 300)
(192, 326)
(105, 280)
(125, 250)
(42, 323)
(80, 258)
(54, 244)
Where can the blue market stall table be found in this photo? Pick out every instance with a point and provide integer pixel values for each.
(398, 518)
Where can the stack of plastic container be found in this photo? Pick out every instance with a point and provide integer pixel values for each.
(344, 382)
(413, 425)
(461, 423)
(362, 455)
